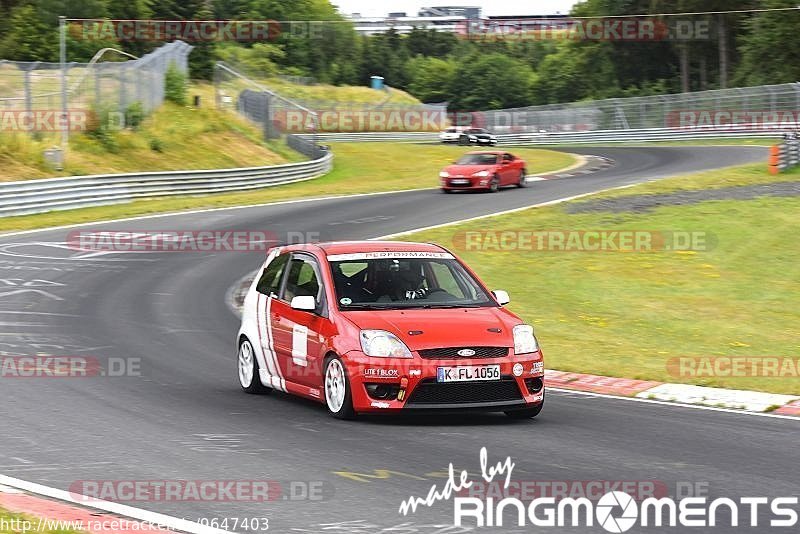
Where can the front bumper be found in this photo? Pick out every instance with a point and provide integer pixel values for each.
(417, 379)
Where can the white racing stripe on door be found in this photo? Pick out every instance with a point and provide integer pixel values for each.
(264, 341)
(277, 379)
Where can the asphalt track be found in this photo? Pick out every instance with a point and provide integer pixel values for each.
(185, 418)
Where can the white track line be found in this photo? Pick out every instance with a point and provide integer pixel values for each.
(115, 508)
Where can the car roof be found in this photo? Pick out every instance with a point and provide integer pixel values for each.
(494, 152)
(354, 247)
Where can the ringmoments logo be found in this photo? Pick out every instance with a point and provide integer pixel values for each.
(615, 511)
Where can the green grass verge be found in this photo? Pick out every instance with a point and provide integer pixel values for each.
(359, 168)
(12, 523)
(627, 314)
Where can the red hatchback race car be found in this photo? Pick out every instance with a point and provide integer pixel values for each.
(487, 171)
(370, 327)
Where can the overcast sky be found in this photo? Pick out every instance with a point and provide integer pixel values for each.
(373, 8)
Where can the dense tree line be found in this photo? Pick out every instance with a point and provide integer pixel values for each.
(738, 49)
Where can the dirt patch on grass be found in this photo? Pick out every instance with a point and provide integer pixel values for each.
(649, 202)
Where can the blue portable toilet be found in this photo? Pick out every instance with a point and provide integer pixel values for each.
(376, 82)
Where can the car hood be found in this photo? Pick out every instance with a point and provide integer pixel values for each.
(468, 170)
(458, 327)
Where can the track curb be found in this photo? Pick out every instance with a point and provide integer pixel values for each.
(744, 400)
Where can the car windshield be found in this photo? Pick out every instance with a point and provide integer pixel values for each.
(397, 281)
(477, 159)
(477, 131)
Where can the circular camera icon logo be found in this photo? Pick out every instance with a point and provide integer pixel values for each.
(621, 522)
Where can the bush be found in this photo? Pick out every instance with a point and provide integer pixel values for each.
(134, 115)
(103, 125)
(156, 145)
(175, 85)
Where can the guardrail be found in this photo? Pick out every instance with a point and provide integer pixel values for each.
(38, 196)
(553, 138)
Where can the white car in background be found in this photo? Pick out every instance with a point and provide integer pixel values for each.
(452, 134)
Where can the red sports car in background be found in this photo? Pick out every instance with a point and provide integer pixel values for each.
(385, 327)
(488, 171)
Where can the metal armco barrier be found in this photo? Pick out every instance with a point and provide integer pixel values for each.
(784, 156)
(38, 196)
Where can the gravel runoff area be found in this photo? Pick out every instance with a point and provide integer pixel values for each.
(645, 203)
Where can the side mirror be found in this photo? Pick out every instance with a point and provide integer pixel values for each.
(304, 303)
(501, 297)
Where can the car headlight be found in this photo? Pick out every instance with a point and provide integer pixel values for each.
(383, 344)
(444, 174)
(524, 340)
(482, 174)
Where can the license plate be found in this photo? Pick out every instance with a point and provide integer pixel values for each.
(468, 374)
(459, 182)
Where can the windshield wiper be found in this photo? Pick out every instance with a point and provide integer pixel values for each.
(357, 307)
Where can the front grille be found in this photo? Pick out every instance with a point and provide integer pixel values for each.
(447, 353)
(431, 392)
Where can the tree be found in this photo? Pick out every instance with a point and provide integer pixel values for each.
(28, 38)
(577, 71)
(430, 78)
(491, 81)
(768, 55)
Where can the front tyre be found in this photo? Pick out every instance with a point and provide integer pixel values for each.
(248, 370)
(338, 397)
(527, 413)
(494, 185)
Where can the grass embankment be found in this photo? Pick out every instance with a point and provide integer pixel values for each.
(173, 138)
(359, 168)
(627, 314)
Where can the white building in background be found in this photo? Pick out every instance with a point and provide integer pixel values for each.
(453, 19)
